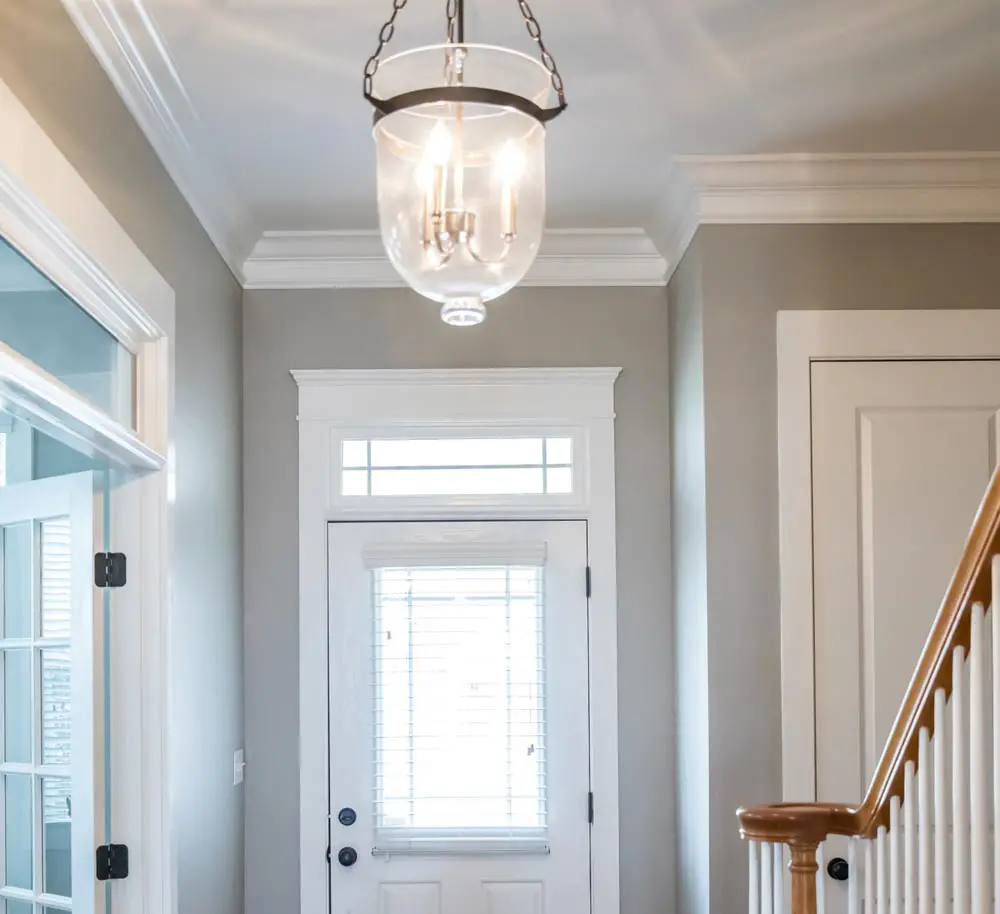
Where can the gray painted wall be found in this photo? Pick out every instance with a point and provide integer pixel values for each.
(395, 329)
(45, 61)
(748, 274)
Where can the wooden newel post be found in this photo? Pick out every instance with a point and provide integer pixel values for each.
(803, 868)
(803, 827)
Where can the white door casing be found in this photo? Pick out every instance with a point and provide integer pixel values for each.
(50, 214)
(477, 809)
(805, 338)
(339, 405)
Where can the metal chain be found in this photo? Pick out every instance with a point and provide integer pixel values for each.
(451, 11)
(384, 37)
(548, 61)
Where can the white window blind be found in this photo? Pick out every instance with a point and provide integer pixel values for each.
(457, 466)
(460, 708)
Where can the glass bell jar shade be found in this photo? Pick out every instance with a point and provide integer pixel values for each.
(461, 185)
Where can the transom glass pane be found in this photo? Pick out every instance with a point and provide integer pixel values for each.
(457, 466)
(39, 321)
(459, 711)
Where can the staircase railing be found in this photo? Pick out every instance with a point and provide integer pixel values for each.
(917, 843)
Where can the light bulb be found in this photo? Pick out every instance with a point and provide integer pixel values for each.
(509, 163)
(438, 148)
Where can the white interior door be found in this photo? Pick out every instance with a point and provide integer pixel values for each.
(47, 804)
(459, 718)
(902, 453)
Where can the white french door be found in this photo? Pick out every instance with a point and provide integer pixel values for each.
(50, 756)
(459, 718)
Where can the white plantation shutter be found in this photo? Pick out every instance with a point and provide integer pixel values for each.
(459, 735)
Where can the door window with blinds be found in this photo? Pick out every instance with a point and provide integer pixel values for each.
(459, 682)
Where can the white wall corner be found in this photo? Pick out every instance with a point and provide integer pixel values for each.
(130, 48)
(356, 260)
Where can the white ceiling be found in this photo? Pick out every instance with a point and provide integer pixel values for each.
(262, 98)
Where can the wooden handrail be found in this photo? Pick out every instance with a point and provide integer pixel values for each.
(801, 823)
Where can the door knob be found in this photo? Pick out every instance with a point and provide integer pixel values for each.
(347, 816)
(838, 869)
(347, 856)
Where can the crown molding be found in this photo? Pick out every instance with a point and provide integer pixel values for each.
(118, 32)
(357, 260)
(916, 187)
(798, 188)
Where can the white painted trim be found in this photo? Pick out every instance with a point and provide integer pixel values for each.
(357, 260)
(797, 188)
(802, 338)
(48, 212)
(331, 401)
(896, 187)
(46, 209)
(126, 40)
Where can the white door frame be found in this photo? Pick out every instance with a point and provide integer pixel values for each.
(805, 337)
(334, 405)
(50, 214)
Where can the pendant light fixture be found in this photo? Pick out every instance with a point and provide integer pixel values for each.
(460, 138)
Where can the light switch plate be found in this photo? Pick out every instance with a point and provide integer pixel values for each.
(238, 766)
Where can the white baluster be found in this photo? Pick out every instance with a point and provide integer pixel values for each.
(909, 840)
(779, 879)
(895, 863)
(940, 804)
(959, 787)
(881, 876)
(820, 881)
(766, 874)
(853, 879)
(924, 833)
(979, 825)
(995, 622)
(754, 905)
(869, 877)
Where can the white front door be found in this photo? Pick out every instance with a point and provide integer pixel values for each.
(48, 698)
(459, 718)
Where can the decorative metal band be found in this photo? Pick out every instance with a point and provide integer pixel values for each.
(462, 94)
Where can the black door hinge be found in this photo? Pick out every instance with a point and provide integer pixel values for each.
(588, 582)
(109, 569)
(590, 807)
(112, 862)
(328, 854)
